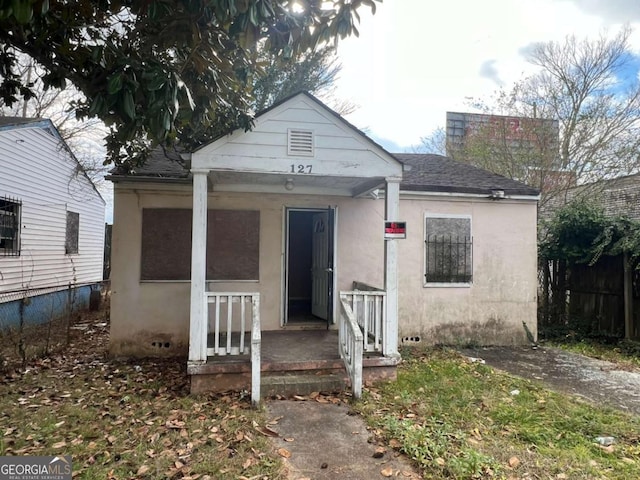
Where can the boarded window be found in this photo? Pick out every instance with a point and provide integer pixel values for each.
(72, 233)
(449, 250)
(233, 240)
(166, 244)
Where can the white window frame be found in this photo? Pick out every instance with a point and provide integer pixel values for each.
(66, 234)
(17, 215)
(424, 252)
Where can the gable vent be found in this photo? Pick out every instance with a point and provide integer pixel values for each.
(300, 142)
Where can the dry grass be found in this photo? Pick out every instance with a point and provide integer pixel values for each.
(464, 420)
(455, 419)
(128, 419)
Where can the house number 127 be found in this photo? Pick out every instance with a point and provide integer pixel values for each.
(301, 168)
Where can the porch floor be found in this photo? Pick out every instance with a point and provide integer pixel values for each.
(292, 349)
(286, 350)
(292, 362)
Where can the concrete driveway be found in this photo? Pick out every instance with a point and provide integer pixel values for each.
(594, 380)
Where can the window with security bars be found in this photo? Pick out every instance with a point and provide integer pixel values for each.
(10, 210)
(449, 250)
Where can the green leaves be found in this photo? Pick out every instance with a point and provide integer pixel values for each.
(167, 71)
(128, 104)
(22, 11)
(580, 232)
(114, 85)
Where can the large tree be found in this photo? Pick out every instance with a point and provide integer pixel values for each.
(589, 86)
(314, 71)
(160, 71)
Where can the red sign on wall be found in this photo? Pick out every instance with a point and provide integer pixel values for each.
(395, 229)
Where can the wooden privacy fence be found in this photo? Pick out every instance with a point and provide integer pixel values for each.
(603, 299)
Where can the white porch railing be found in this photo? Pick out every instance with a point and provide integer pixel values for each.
(232, 313)
(369, 312)
(350, 343)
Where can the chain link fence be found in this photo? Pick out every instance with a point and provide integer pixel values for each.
(34, 322)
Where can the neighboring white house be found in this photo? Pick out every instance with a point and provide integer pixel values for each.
(288, 220)
(51, 223)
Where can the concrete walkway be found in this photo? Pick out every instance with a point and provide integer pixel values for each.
(323, 441)
(326, 442)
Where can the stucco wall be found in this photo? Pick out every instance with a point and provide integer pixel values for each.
(152, 318)
(503, 294)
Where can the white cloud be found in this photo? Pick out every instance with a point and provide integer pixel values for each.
(615, 11)
(415, 60)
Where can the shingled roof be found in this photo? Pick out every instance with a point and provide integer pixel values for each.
(617, 196)
(426, 173)
(436, 173)
(161, 164)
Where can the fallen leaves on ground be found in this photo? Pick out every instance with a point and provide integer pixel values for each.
(458, 419)
(283, 452)
(387, 472)
(129, 419)
(514, 462)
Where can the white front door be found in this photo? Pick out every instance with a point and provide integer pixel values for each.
(320, 268)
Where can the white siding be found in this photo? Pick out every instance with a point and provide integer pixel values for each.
(36, 169)
(339, 150)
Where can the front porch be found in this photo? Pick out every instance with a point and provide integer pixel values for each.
(240, 356)
(285, 355)
(321, 175)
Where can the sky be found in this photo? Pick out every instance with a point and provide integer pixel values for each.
(417, 59)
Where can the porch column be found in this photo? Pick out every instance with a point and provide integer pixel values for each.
(390, 328)
(198, 317)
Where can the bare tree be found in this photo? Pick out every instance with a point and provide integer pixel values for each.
(585, 85)
(435, 142)
(314, 71)
(85, 138)
(516, 146)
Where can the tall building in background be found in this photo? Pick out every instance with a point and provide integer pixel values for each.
(519, 133)
(525, 149)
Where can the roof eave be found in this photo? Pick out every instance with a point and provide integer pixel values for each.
(148, 179)
(463, 191)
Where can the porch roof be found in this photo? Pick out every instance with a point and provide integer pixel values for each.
(343, 160)
(340, 160)
(426, 173)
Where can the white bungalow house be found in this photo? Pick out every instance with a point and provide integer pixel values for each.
(302, 244)
(51, 224)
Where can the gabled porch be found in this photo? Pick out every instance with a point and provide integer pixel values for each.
(300, 157)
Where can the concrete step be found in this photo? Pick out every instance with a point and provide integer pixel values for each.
(288, 384)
